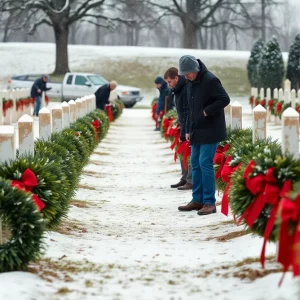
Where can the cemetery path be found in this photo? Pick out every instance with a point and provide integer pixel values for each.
(125, 239)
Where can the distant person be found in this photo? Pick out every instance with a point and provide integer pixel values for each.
(206, 127)
(178, 96)
(103, 93)
(37, 89)
(162, 86)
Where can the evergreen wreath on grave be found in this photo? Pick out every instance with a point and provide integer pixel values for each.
(167, 122)
(259, 185)
(24, 226)
(283, 107)
(233, 135)
(271, 105)
(42, 178)
(104, 122)
(241, 150)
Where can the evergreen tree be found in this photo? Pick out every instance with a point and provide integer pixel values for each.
(293, 68)
(253, 63)
(271, 67)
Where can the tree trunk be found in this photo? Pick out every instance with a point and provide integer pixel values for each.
(190, 36)
(61, 33)
(263, 20)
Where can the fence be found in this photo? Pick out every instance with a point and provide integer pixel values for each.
(60, 117)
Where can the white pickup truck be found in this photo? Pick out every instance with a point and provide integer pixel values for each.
(77, 85)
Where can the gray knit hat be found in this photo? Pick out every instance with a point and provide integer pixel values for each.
(188, 64)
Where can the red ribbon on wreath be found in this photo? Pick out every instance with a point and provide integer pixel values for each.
(47, 99)
(185, 149)
(263, 102)
(279, 107)
(154, 107)
(5, 107)
(257, 102)
(167, 125)
(298, 108)
(96, 125)
(251, 100)
(226, 173)
(219, 158)
(270, 104)
(109, 113)
(27, 183)
(266, 191)
(175, 132)
(289, 240)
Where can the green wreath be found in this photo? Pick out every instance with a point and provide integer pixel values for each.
(25, 226)
(240, 197)
(169, 115)
(85, 128)
(235, 136)
(102, 117)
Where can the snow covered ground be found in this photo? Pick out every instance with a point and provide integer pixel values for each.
(125, 239)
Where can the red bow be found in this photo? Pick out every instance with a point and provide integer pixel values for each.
(271, 103)
(167, 125)
(226, 173)
(47, 99)
(298, 108)
(175, 132)
(279, 107)
(154, 107)
(5, 106)
(184, 148)
(289, 240)
(220, 158)
(109, 113)
(27, 183)
(267, 191)
(96, 125)
(251, 100)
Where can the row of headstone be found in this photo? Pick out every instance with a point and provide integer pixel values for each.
(12, 114)
(287, 95)
(289, 121)
(61, 117)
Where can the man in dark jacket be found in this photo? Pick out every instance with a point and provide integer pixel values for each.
(103, 93)
(205, 128)
(162, 86)
(178, 96)
(37, 89)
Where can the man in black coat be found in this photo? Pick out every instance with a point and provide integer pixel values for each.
(37, 89)
(103, 93)
(164, 91)
(178, 96)
(205, 128)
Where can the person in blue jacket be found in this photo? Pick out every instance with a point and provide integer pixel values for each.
(37, 89)
(164, 91)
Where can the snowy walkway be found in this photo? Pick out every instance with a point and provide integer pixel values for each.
(125, 239)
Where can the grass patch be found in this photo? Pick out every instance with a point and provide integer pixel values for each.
(229, 236)
(70, 227)
(53, 99)
(63, 291)
(86, 187)
(92, 173)
(141, 71)
(99, 153)
(80, 203)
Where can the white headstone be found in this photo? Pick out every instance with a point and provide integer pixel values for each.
(7, 143)
(57, 118)
(26, 135)
(236, 115)
(44, 123)
(290, 132)
(259, 119)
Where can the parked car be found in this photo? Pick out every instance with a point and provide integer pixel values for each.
(77, 85)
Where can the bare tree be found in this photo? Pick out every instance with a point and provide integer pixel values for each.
(60, 14)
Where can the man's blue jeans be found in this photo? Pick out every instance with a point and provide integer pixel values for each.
(37, 105)
(204, 184)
